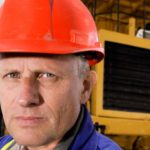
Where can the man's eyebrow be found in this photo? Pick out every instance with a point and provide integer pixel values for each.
(9, 70)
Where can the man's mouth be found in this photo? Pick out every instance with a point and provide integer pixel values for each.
(29, 121)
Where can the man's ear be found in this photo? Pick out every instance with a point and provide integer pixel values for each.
(89, 81)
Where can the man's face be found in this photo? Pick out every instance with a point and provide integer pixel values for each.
(40, 97)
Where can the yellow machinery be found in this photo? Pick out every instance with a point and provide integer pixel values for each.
(120, 102)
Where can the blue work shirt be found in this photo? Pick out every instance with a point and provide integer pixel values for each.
(89, 139)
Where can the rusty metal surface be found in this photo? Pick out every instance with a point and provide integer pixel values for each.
(120, 10)
(131, 7)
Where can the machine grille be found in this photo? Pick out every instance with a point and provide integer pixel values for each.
(126, 78)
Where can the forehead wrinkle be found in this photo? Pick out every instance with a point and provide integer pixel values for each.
(6, 64)
(54, 63)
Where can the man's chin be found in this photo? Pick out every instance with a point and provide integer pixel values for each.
(32, 140)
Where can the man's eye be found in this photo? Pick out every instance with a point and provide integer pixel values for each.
(12, 75)
(46, 75)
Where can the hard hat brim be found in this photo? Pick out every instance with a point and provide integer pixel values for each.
(49, 47)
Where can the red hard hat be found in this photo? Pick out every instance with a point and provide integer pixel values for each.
(48, 26)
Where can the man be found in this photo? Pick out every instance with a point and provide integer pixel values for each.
(47, 47)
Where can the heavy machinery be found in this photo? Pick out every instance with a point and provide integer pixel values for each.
(120, 103)
(121, 99)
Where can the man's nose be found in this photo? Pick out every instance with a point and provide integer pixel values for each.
(28, 93)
